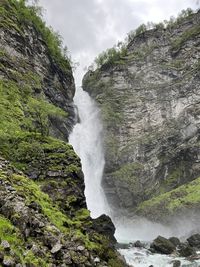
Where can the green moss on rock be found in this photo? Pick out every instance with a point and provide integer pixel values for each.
(183, 198)
(17, 244)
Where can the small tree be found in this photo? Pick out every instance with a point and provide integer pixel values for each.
(142, 28)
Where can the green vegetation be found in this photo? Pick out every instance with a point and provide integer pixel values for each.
(185, 36)
(15, 14)
(17, 245)
(184, 197)
(160, 26)
(25, 129)
(128, 173)
(111, 56)
(31, 191)
(116, 54)
(172, 180)
(23, 117)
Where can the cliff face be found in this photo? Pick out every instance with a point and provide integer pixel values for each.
(43, 216)
(27, 59)
(150, 110)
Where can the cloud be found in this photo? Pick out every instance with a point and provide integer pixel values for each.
(91, 26)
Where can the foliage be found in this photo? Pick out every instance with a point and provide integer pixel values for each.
(16, 14)
(185, 36)
(40, 111)
(160, 26)
(32, 192)
(111, 56)
(115, 54)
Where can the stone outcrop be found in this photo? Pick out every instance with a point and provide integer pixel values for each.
(162, 245)
(150, 110)
(34, 230)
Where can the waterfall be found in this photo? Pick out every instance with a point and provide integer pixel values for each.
(86, 138)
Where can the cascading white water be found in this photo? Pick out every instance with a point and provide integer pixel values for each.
(86, 139)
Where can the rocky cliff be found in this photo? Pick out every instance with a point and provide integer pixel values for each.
(150, 102)
(43, 216)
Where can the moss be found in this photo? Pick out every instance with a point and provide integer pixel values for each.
(82, 214)
(172, 180)
(128, 174)
(11, 234)
(185, 196)
(32, 192)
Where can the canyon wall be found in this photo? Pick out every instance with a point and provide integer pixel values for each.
(150, 103)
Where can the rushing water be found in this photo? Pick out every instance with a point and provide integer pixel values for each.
(86, 139)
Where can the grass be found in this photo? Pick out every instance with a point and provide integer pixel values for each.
(32, 192)
(185, 196)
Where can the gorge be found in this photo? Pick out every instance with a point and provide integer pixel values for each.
(133, 162)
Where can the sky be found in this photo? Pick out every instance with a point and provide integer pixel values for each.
(90, 26)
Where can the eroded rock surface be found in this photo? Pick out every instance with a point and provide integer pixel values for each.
(150, 110)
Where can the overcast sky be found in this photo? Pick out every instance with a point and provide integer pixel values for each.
(90, 26)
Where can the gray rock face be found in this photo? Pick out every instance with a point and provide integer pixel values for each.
(29, 53)
(150, 106)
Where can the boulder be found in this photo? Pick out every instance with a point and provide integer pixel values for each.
(176, 263)
(175, 241)
(194, 240)
(139, 244)
(186, 250)
(162, 245)
(104, 225)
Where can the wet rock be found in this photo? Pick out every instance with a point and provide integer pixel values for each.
(176, 263)
(123, 246)
(185, 250)
(105, 226)
(162, 245)
(175, 241)
(138, 244)
(194, 240)
(35, 206)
